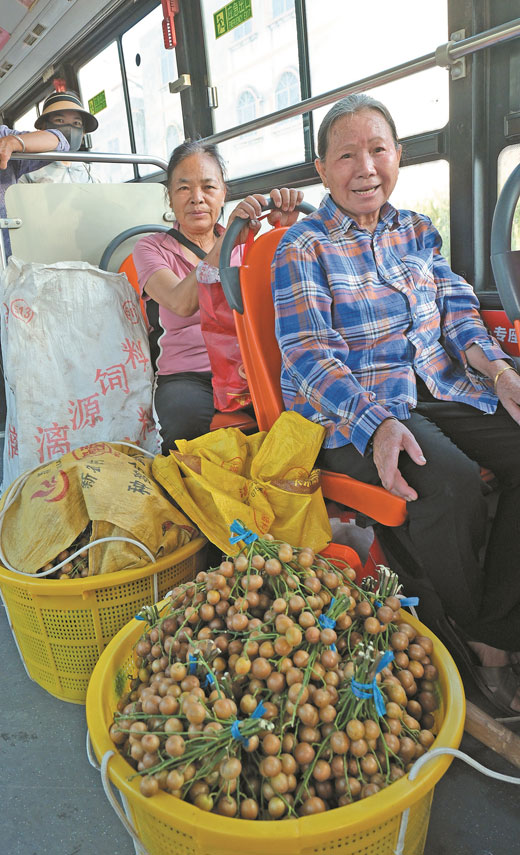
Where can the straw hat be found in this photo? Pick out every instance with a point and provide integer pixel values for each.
(65, 101)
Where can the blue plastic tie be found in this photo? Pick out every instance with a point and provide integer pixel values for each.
(259, 711)
(406, 602)
(140, 617)
(209, 680)
(235, 733)
(241, 533)
(327, 622)
(372, 690)
(193, 663)
(235, 727)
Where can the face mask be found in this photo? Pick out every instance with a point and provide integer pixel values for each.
(73, 135)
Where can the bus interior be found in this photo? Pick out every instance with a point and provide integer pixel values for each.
(254, 77)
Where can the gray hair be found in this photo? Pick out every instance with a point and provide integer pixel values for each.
(347, 107)
(190, 147)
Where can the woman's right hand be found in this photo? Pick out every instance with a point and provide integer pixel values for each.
(390, 438)
(250, 209)
(8, 144)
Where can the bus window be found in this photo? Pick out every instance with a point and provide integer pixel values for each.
(508, 160)
(102, 77)
(424, 188)
(384, 35)
(26, 122)
(156, 113)
(247, 90)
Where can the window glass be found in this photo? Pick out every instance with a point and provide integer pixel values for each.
(246, 107)
(243, 30)
(26, 122)
(174, 137)
(423, 188)
(103, 75)
(348, 42)
(149, 69)
(287, 90)
(282, 6)
(508, 160)
(260, 59)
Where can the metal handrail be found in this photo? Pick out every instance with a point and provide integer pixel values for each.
(92, 157)
(443, 56)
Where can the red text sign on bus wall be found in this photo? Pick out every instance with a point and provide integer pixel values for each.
(501, 327)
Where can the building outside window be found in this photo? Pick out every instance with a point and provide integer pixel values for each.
(287, 90)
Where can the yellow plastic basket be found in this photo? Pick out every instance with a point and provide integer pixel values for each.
(168, 826)
(61, 626)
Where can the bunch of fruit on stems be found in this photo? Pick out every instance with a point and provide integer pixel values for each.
(71, 563)
(275, 686)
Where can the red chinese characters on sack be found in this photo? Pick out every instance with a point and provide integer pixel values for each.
(112, 378)
(85, 412)
(131, 312)
(136, 357)
(144, 417)
(97, 448)
(52, 441)
(20, 310)
(12, 442)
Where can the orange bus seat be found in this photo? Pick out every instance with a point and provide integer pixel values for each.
(237, 419)
(262, 362)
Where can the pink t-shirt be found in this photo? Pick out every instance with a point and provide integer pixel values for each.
(181, 343)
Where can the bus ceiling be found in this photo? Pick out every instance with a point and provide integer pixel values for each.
(33, 36)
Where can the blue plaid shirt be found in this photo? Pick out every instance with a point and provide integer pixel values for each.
(359, 314)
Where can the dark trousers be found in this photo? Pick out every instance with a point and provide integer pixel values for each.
(184, 406)
(438, 550)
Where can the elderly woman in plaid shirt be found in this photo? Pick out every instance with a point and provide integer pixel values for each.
(384, 345)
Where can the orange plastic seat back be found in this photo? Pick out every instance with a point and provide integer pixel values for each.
(255, 329)
(128, 267)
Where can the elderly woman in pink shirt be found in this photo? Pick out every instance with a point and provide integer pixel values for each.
(169, 273)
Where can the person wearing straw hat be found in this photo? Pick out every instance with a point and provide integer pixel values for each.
(63, 111)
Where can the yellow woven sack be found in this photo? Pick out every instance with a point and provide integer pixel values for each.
(107, 484)
(265, 480)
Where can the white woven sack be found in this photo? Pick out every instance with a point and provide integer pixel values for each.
(76, 362)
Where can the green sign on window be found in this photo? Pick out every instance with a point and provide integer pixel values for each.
(97, 103)
(231, 16)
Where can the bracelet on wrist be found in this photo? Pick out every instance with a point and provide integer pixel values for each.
(18, 137)
(499, 374)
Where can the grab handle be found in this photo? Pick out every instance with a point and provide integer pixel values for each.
(229, 276)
